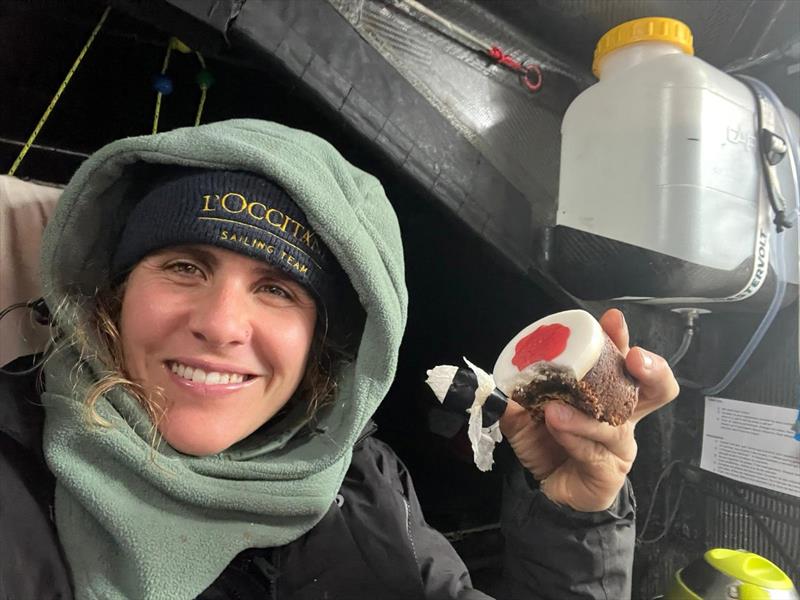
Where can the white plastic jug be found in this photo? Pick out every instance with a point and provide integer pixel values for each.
(660, 169)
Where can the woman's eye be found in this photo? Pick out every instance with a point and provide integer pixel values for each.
(183, 268)
(275, 290)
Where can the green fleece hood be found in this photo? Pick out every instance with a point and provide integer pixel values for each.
(134, 525)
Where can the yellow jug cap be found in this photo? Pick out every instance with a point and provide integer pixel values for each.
(749, 568)
(647, 29)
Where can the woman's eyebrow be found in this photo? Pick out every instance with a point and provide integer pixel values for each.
(271, 271)
(196, 252)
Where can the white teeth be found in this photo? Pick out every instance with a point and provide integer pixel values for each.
(197, 375)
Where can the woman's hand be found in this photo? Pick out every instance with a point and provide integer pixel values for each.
(579, 461)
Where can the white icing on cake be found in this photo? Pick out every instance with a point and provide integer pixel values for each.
(534, 372)
(583, 348)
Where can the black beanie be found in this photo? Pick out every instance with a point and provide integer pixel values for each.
(235, 210)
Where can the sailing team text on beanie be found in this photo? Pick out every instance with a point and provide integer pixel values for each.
(235, 210)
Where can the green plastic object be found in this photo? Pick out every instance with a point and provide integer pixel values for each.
(749, 568)
(205, 79)
(731, 574)
(679, 591)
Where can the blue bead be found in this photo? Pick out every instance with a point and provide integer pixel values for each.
(162, 84)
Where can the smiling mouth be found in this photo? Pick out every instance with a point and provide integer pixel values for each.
(197, 375)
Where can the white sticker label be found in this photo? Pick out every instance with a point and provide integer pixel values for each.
(751, 443)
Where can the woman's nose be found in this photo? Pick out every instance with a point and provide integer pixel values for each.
(220, 317)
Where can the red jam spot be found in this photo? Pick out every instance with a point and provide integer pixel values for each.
(547, 342)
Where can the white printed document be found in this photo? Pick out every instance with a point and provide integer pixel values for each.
(752, 443)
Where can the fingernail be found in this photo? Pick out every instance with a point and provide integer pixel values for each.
(563, 412)
(647, 360)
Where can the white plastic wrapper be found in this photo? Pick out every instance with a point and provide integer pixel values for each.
(483, 439)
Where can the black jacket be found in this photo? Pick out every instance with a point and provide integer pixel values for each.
(373, 543)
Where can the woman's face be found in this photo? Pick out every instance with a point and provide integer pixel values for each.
(224, 336)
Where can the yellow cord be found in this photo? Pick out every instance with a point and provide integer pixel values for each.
(183, 48)
(203, 91)
(200, 106)
(164, 66)
(58, 93)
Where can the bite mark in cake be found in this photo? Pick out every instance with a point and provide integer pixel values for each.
(567, 356)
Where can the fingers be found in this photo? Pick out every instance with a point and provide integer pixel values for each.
(537, 451)
(599, 457)
(513, 419)
(587, 440)
(613, 323)
(657, 384)
(535, 448)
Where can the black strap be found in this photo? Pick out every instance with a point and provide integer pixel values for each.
(461, 394)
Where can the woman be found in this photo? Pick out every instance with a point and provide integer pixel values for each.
(230, 302)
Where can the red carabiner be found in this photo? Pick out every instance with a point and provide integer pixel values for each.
(533, 86)
(524, 71)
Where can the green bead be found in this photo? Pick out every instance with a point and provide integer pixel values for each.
(205, 79)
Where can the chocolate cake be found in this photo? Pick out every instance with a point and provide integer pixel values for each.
(567, 356)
